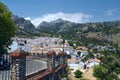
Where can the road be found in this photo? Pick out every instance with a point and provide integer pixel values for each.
(32, 66)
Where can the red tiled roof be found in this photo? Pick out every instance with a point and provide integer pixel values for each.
(50, 53)
(18, 53)
(62, 53)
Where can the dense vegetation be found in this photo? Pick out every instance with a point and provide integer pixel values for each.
(7, 29)
(109, 69)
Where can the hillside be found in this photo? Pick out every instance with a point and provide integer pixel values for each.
(57, 26)
(24, 26)
(89, 32)
(109, 30)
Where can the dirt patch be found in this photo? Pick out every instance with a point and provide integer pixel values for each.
(89, 74)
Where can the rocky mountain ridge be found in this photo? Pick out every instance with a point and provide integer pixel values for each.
(109, 30)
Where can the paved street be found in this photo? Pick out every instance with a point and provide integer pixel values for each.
(32, 66)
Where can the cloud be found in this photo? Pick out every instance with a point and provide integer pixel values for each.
(28, 18)
(73, 17)
(110, 12)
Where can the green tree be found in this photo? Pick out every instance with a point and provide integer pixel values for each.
(88, 56)
(7, 29)
(112, 76)
(78, 73)
(99, 71)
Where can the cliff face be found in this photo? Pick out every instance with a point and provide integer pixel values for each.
(23, 24)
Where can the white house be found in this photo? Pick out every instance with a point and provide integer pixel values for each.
(73, 64)
(90, 63)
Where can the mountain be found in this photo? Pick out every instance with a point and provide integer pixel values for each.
(23, 24)
(109, 30)
(56, 26)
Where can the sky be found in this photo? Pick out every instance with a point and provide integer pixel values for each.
(78, 11)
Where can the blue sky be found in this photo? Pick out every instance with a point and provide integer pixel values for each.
(79, 11)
